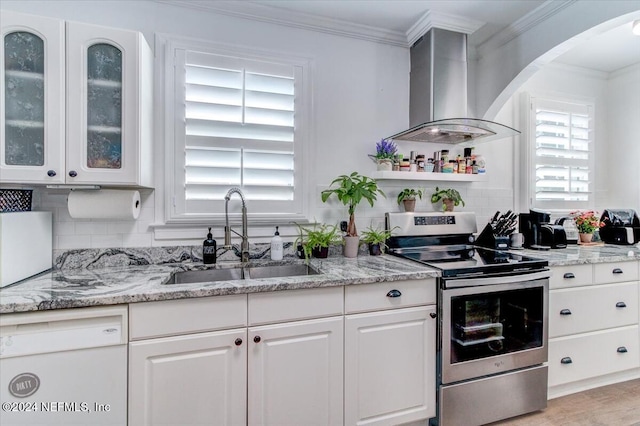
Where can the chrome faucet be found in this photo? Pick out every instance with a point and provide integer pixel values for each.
(244, 247)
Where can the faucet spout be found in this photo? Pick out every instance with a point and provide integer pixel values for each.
(244, 247)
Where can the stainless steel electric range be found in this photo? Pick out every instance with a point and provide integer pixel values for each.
(492, 318)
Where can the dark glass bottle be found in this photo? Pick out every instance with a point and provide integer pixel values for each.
(209, 249)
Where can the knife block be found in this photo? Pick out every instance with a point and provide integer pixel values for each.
(489, 240)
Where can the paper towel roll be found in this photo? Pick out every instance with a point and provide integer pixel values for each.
(104, 204)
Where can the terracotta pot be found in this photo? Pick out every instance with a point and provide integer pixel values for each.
(351, 245)
(320, 252)
(409, 205)
(585, 238)
(448, 204)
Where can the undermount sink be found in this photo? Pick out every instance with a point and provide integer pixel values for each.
(255, 272)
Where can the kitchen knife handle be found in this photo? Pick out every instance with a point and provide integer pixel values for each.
(394, 293)
(568, 275)
(622, 350)
(566, 360)
(621, 305)
(565, 312)
(617, 271)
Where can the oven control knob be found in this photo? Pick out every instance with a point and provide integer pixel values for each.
(471, 253)
(472, 239)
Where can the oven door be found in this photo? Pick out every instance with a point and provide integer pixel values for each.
(493, 325)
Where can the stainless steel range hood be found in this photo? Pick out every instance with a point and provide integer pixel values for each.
(438, 93)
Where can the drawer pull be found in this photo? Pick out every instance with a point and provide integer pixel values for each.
(566, 360)
(433, 315)
(568, 275)
(394, 293)
(622, 350)
(565, 312)
(238, 341)
(617, 271)
(257, 339)
(621, 305)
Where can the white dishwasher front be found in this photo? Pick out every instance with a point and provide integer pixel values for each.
(65, 367)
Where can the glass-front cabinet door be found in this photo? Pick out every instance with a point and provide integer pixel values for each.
(32, 99)
(103, 104)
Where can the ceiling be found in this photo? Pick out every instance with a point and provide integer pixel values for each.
(607, 52)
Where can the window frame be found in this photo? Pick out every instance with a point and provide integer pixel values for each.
(174, 147)
(530, 101)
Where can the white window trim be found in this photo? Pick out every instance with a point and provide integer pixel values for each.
(527, 154)
(166, 221)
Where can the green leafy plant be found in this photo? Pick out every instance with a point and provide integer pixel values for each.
(317, 236)
(409, 194)
(377, 236)
(445, 195)
(350, 191)
(587, 222)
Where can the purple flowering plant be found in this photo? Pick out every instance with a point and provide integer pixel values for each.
(385, 149)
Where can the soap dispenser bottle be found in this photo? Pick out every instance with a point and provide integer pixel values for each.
(209, 249)
(276, 246)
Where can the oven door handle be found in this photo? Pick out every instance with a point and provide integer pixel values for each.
(504, 279)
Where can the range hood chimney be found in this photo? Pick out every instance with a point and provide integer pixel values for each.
(438, 94)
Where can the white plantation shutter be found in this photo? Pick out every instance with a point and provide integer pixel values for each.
(238, 121)
(562, 154)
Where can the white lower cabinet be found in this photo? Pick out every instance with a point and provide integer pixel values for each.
(390, 366)
(295, 373)
(194, 379)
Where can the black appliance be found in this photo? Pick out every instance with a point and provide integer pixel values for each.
(620, 227)
(492, 318)
(539, 233)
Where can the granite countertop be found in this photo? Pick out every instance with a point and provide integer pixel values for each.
(60, 289)
(96, 284)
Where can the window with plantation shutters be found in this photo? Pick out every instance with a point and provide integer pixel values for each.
(238, 124)
(562, 154)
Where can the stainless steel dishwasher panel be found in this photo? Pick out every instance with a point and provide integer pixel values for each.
(66, 367)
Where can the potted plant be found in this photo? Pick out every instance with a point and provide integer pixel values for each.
(350, 190)
(376, 239)
(408, 197)
(587, 223)
(385, 150)
(450, 198)
(316, 240)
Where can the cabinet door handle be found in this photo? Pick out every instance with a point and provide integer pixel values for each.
(51, 173)
(73, 173)
(622, 350)
(257, 339)
(238, 341)
(394, 293)
(565, 312)
(621, 305)
(433, 315)
(569, 275)
(616, 271)
(566, 360)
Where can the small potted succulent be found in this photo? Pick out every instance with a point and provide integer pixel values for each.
(350, 190)
(408, 197)
(450, 198)
(376, 239)
(385, 150)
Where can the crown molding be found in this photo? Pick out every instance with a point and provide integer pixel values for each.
(444, 21)
(271, 15)
(522, 25)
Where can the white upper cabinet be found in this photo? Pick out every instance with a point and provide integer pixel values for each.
(32, 99)
(107, 99)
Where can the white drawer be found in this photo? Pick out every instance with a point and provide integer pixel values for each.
(293, 305)
(615, 272)
(593, 354)
(578, 310)
(570, 276)
(184, 316)
(389, 295)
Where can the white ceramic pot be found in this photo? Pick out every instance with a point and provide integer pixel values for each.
(351, 245)
(385, 164)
